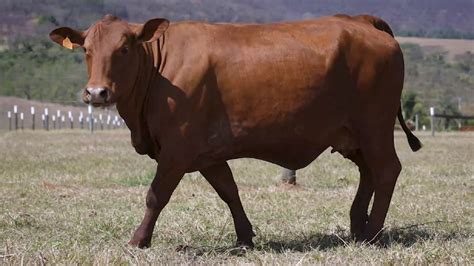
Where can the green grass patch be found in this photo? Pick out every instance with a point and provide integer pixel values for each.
(143, 180)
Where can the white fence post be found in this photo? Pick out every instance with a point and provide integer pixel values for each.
(432, 114)
(58, 117)
(46, 119)
(101, 122)
(91, 120)
(9, 114)
(32, 118)
(71, 120)
(21, 118)
(15, 112)
(417, 121)
(81, 120)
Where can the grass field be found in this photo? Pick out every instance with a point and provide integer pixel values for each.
(71, 197)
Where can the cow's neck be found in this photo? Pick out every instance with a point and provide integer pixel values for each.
(134, 107)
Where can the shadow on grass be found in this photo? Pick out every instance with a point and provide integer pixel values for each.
(314, 241)
(325, 242)
(404, 236)
(413, 234)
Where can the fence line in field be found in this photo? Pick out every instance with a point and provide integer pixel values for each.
(91, 121)
(65, 120)
(435, 116)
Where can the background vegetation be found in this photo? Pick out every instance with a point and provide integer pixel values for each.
(32, 67)
(434, 18)
(41, 70)
(432, 80)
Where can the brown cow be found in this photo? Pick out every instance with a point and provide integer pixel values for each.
(195, 95)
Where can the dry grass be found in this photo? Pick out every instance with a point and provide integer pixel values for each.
(69, 197)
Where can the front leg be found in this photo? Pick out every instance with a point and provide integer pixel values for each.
(159, 193)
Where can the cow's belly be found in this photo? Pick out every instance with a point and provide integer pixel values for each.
(289, 149)
(288, 154)
(292, 143)
(291, 146)
(285, 111)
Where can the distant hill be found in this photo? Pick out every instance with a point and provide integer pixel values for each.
(453, 47)
(426, 18)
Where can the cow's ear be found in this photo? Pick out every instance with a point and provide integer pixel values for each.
(67, 37)
(152, 30)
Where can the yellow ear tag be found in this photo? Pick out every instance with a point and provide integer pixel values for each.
(67, 43)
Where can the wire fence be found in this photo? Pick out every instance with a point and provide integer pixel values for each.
(47, 118)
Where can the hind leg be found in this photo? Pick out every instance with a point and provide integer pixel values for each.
(221, 179)
(359, 208)
(384, 167)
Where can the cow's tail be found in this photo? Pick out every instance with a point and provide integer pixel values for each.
(380, 24)
(413, 141)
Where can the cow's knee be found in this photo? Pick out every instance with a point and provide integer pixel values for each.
(155, 201)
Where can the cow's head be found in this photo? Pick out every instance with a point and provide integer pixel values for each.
(111, 47)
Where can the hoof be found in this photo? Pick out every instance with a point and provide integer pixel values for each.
(245, 244)
(358, 237)
(359, 228)
(241, 248)
(140, 242)
(365, 238)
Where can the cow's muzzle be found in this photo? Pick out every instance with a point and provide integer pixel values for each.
(96, 96)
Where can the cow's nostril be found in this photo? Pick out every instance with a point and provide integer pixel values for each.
(96, 95)
(103, 94)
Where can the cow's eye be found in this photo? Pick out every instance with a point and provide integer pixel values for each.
(124, 49)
